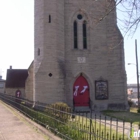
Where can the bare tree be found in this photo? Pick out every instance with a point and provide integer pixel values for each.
(128, 12)
(130, 15)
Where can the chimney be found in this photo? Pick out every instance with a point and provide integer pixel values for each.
(10, 67)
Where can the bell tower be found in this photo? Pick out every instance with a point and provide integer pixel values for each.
(79, 54)
(49, 51)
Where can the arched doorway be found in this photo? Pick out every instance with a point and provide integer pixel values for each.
(18, 96)
(81, 92)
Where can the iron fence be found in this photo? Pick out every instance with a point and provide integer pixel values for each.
(70, 125)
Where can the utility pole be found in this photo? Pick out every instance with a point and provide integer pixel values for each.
(137, 71)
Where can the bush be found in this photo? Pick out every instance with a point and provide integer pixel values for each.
(60, 105)
(138, 110)
(59, 110)
(130, 103)
(55, 125)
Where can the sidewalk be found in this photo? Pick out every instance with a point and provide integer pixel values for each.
(15, 126)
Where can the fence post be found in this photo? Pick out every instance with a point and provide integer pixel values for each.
(105, 129)
(123, 128)
(110, 128)
(116, 129)
(90, 122)
(95, 126)
(100, 126)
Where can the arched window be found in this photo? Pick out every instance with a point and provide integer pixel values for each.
(75, 35)
(84, 35)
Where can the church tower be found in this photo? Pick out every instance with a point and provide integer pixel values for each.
(49, 51)
(79, 55)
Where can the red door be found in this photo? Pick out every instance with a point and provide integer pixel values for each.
(18, 96)
(81, 92)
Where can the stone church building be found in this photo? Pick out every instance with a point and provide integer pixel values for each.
(79, 54)
(78, 57)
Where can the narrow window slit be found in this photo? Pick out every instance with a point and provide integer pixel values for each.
(38, 52)
(75, 35)
(84, 35)
(49, 18)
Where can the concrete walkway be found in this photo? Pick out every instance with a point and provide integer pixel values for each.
(15, 126)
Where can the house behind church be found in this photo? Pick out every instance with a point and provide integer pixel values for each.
(15, 81)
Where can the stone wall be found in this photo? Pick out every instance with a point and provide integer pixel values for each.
(49, 38)
(104, 56)
(57, 65)
(29, 83)
(12, 91)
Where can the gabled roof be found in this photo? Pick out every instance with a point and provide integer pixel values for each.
(16, 78)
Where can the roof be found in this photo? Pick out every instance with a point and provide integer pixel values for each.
(16, 78)
(2, 80)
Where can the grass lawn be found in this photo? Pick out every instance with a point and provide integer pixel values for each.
(83, 123)
(129, 116)
(77, 128)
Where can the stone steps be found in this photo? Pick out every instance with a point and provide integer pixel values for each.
(82, 109)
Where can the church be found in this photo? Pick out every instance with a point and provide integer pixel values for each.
(78, 54)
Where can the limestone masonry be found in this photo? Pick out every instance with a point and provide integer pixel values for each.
(79, 54)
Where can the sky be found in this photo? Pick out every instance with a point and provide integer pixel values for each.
(17, 38)
(16, 34)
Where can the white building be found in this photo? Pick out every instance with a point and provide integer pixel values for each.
(2, 85)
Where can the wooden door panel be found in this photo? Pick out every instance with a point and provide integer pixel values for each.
(81, 92)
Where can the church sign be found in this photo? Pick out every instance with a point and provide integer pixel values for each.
(101, 90)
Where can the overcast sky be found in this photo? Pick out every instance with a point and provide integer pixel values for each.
(17, 38)
(16, 34)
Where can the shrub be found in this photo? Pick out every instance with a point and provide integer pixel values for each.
(130, 103)
(59, 110)
(60, 105)
(138, 110)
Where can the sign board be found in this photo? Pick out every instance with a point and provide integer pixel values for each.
(101, 90)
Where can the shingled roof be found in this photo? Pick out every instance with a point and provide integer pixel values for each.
(16, 78)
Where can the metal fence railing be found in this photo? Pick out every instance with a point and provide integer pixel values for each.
(70, 125)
